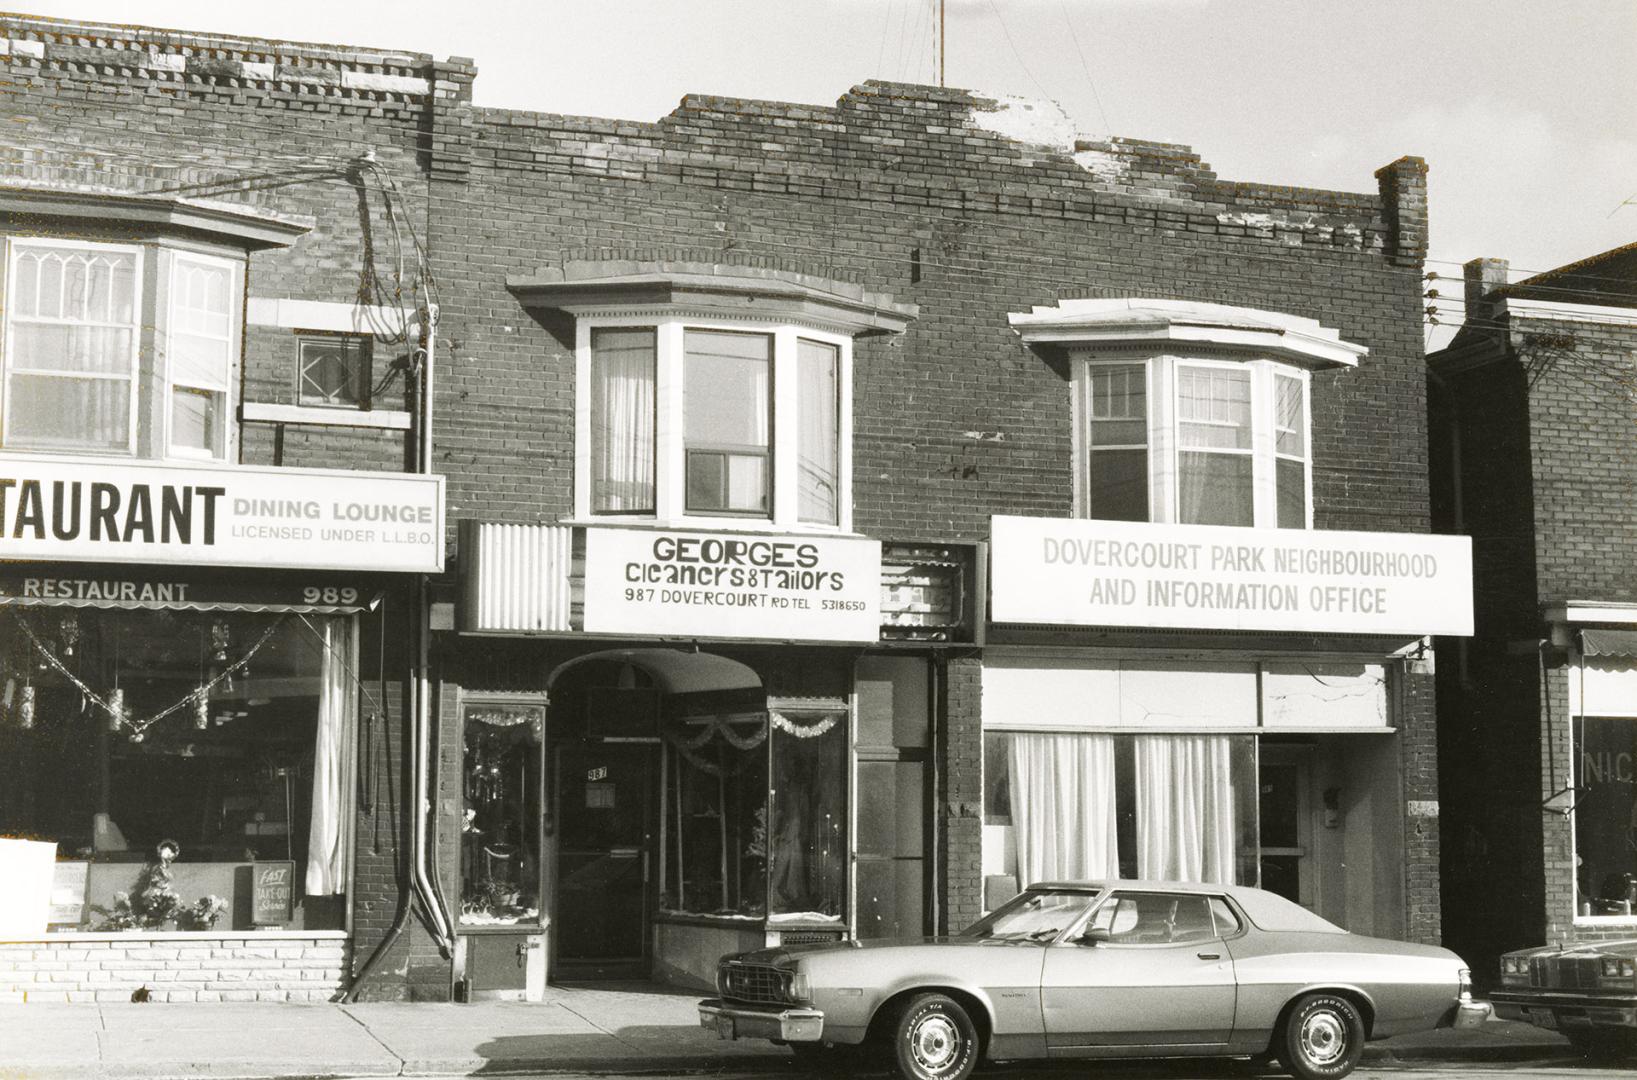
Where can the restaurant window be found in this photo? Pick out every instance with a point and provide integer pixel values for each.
(1195, 441)
(333, 370)
(1091, 806)
(190, 770)
(706, 421)
(75, 376)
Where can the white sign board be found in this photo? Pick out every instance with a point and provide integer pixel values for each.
(1116, 573)
(72, 510)
(732, 585)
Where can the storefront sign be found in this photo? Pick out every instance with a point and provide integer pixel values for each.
(1112, 573)
(274, 897)
(68, 893)
(137, 512)
(71, 587)
(735, 585)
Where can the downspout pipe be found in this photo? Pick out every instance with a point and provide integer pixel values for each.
(422, 864)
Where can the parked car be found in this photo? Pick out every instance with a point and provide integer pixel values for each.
(1588, 991)
(1110, 969)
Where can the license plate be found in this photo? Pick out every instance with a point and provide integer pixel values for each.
(1543, 1018)
(724, 1027)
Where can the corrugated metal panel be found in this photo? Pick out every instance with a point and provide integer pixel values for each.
(523, 577)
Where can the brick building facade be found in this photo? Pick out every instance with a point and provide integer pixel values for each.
(906, 316)
(1534, 456)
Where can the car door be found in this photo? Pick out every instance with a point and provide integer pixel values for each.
(1161, 977)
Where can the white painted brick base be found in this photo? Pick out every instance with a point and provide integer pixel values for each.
(282, 965)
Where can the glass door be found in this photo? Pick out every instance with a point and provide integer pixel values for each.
(605, 800)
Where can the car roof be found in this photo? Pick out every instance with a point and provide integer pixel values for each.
(1267, 910)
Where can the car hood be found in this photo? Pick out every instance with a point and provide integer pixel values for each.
(1623, 947)
(782, 955)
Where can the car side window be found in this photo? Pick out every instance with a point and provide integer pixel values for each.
(1227, 920)
(1155, 919)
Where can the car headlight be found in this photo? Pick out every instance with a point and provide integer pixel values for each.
(801, 989)
(1616, 968)
(1511, 965)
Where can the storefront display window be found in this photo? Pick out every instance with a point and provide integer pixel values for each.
(500, 829)
(193, 769)
(1605, 818)
(739, 845)
(1156, 806)
(716, 850)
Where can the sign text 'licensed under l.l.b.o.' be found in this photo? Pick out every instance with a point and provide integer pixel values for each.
(1209, 577)
(732, 585)
(72, 510)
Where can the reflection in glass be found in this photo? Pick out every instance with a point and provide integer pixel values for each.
(500, 836)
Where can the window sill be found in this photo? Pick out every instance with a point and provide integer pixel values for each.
(762, 526)
(269, 413)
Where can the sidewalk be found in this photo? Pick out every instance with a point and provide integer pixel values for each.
(645, 1030)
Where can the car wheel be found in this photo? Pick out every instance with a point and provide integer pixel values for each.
(1323, 1039)
(934, 1039)
(1604, 1046)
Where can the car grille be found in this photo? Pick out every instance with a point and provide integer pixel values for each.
(1565, 972)
(756, 984)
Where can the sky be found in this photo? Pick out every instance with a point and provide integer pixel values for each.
(1526, 111)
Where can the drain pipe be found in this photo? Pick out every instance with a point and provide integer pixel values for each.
(421, 874)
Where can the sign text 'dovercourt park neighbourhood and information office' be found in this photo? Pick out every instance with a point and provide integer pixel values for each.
(1111, 573)
(79, 511)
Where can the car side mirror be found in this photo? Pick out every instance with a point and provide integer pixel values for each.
(1097, 935)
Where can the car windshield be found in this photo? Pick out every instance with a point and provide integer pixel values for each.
(1037, 915)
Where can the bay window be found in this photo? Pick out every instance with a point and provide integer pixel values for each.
(710, 420)
(1194, 441)
(712, 395)
(126, 349)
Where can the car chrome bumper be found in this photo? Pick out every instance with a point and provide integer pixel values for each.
(1554, 1009)
(785, 1023)
(1466, 1013)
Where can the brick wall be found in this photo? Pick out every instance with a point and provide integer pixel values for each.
(192, 966)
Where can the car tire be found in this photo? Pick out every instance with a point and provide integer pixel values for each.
(1323, 1039)
(933, 1038)
(1604, 1046)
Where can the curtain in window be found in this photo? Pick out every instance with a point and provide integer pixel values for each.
(817, 462)
(1213, 462)
(622, 420)
(1063, 807)
(329, 836)
(1185, 808)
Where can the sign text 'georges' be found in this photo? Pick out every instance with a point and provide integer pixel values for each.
(79, 511)
(732, 585)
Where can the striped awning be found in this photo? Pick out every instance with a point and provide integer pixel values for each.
(1600, 641)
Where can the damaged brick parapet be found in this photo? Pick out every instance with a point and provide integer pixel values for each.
(1404, 203)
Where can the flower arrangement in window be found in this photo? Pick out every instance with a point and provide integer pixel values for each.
(154, 905)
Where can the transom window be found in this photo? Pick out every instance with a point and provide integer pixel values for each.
(1194, 441)
(713, 420)
(78, 319)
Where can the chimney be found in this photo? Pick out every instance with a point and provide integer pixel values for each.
(1483, 277)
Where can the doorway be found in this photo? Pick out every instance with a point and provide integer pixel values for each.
(1285, 776)
(605, 828)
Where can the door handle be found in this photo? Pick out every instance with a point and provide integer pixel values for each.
(1209, 956)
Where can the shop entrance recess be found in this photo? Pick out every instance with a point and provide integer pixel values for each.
(1285, 775)
(605, 810)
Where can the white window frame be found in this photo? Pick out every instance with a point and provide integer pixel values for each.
(1164, 443)
(670, 459)
(133, 376)
(234, 340)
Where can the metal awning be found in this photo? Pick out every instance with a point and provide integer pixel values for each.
(1600, 641)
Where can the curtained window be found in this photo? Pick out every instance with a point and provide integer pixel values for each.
(201, 354)
(1290, 450)
(817, 452)
(622, 421)
(1214, 466)
(1091, 806)
(71, 346)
